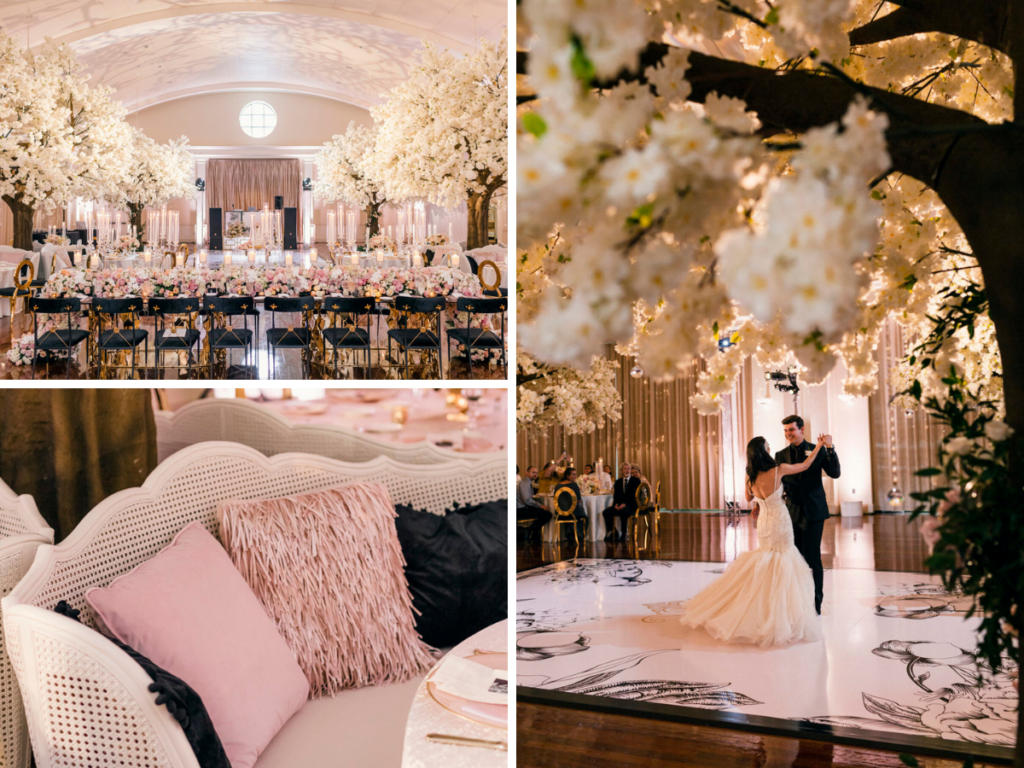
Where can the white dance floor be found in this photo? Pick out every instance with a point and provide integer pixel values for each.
(895, 661)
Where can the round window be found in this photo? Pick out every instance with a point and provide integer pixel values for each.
(258, 119)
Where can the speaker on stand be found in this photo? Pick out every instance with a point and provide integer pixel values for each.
(291, 227)
(216, 230)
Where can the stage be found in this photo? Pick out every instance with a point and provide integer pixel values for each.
(894, 671)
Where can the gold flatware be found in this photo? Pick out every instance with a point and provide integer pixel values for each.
(465, 741)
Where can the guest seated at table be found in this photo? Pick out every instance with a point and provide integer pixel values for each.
(623, 503)
(569, 481)
(552, 473)
(527, 508)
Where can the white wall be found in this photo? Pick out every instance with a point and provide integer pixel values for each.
(211, 119)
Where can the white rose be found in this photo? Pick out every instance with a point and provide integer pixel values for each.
(997, 430)
(960, 446)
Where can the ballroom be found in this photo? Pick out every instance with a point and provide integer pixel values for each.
(298, 577)
(254, 190)
(768, 409)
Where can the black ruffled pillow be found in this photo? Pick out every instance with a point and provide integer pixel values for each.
(181, 701)
(457, 569)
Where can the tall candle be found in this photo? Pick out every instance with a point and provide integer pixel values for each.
(450, 237)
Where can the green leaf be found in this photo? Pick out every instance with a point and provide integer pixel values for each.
(928, 472)
(534, 123)
(582, 66)
(772, 17)
(909, 760)
(915, 389)
(877, 195)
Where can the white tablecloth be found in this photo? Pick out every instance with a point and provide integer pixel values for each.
(427, 716)
(594, 506)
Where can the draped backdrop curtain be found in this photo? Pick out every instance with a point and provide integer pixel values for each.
(71, 448)
(659, 430)
(901, 442)
(237, 185)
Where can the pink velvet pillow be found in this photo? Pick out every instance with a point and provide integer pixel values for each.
(190, 611)
(328, 568)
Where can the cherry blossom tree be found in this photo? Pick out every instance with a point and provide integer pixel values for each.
(793, 174)
(443, 134)
(59, 137)
(157, 174)
(343, 173)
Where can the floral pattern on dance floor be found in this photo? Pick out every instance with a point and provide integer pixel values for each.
(897, 655)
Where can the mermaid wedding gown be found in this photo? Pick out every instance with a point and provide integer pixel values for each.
(766, 596)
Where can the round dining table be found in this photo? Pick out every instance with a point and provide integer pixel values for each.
(594, 505)
(458, 717)
(483, 429)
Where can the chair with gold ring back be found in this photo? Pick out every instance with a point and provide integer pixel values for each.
(566, 502)
(22, 288)
(645, 505)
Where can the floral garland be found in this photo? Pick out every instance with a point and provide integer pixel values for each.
(273, 281)
(439, 239)
(57, 240)
(236, 229)
(577, 400)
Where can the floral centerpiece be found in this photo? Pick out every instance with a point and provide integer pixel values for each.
(383, 242)
(57, 240)
(127, 244)
(588, 485)
(21, 350)
(438, 239)
(237, 229)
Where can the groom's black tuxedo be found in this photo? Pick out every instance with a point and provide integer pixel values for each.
(805, 498)
(805, 491)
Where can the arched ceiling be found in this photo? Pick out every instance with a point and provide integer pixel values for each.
(155, 50)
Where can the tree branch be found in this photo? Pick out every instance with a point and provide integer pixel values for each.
(920, 134)
(983, 22)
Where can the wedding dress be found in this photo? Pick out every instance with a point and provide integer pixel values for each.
(766, 596)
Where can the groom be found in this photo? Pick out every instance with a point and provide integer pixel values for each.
(805, 496)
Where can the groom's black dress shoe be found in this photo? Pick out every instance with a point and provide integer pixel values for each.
(610, 536)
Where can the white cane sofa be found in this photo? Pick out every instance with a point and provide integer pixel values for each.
(241, 421)
(22, 530)
(107, 716)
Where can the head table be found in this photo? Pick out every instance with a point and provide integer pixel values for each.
(384, 284)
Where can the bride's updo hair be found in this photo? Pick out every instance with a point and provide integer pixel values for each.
(758, 459)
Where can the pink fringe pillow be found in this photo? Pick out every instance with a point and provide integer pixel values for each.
(328, 569)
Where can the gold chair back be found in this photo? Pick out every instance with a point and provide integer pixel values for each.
(563, 493)
(481, 269)
(23, 265)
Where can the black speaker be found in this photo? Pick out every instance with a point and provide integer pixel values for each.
(278, 202)
(216, 230)
(291, 225)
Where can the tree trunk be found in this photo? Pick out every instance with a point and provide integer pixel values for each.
(373, 218)
(23, 215)
(135, 220)
(478, 209)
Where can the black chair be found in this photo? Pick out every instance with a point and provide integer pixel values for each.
(123, 333)
(472, 339)
(472, 264)
(423, 339)
(289, 337)
(22, 288)
(175, 329)
(350, 335)
(225, 336)
(58, 339)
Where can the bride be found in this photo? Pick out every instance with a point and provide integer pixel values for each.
(766, 596)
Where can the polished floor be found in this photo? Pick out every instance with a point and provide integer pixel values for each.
(893, 673)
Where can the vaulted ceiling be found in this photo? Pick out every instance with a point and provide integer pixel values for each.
(156, 50)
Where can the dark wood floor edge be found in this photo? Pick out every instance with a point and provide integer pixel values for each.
(772, 726)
